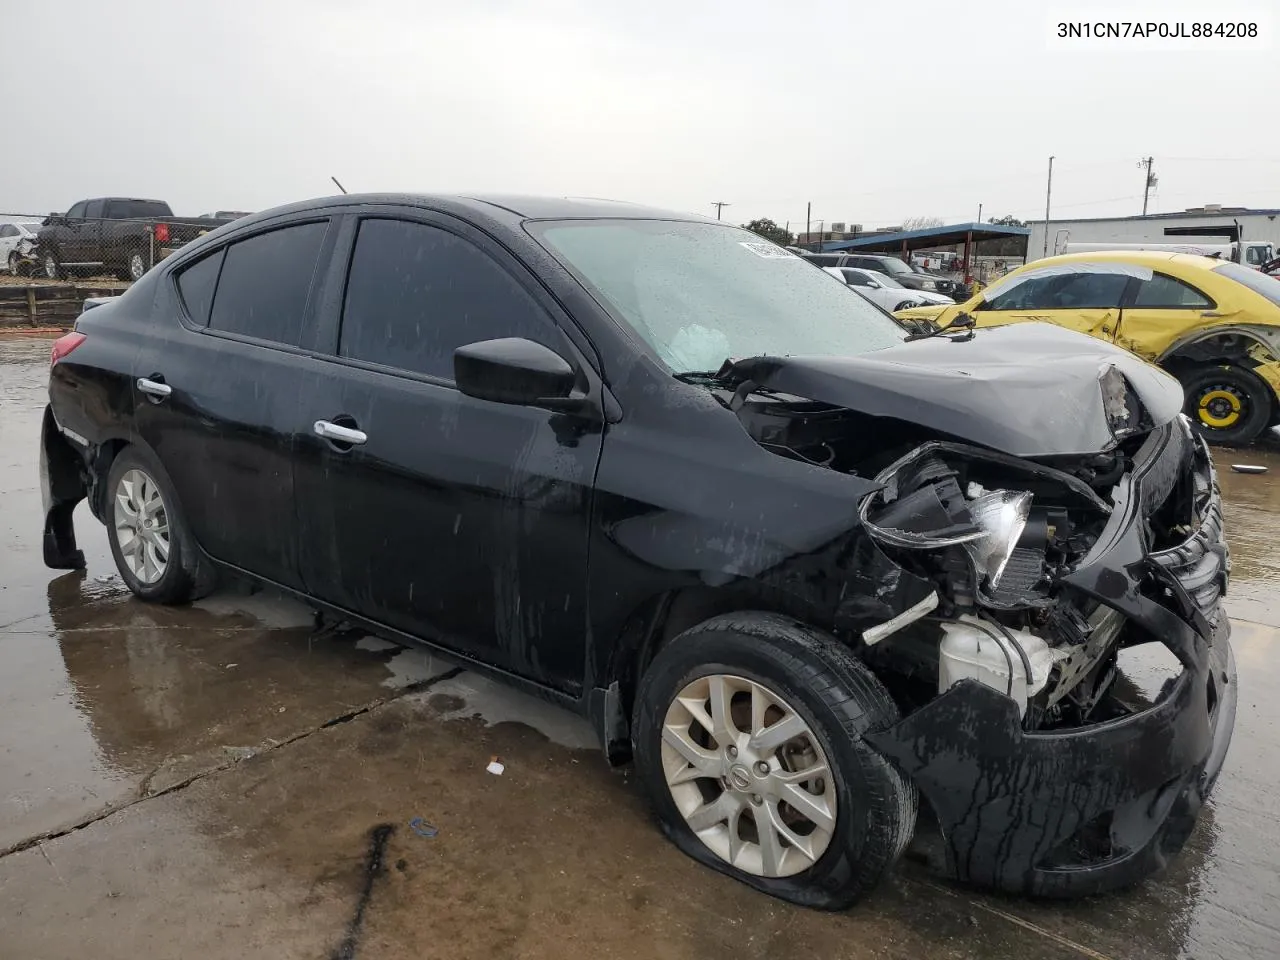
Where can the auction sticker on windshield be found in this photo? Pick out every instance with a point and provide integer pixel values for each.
(767, 250)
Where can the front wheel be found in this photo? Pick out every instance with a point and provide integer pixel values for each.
(748, 735)
(1228, 405)
(150, 541)
(15, 264)
(52, 268)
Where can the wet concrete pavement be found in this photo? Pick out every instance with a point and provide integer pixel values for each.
(224, 780)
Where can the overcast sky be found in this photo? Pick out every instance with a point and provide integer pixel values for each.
(874, 112)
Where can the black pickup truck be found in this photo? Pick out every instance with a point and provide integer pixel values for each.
(121, 235)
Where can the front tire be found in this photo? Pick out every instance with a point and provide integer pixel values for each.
(150, 541)
(748, 734)
(1228, 405)
(15, 264)
(52, 267)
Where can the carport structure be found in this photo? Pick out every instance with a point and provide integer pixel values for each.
(906, 241)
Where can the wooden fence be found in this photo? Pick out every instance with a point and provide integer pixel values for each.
(45, 305)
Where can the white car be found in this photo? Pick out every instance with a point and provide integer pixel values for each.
(884, 291)
(17, 243)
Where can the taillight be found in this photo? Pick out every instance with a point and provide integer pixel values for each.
(64, 345)
(162, 233)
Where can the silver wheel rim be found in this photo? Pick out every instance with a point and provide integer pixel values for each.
(136, 266)
(142, 527)
(749, 776)
(51, 267)
(14, 265)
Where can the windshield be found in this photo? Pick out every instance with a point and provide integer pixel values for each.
(893, 265)
(1255, 280)
(883, 279)
(701, 293)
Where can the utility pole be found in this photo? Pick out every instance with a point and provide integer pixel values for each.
(1048, 192)
(808, 223)
(718, 204)
(979, 213)
(1148, 181)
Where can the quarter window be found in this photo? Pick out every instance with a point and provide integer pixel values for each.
(196, 284)
(265, 282)
(1164, 292)
(415, 293)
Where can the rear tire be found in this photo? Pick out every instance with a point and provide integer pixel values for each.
(135, 267)
(152, 545)
(1228, 405)
(860, 812)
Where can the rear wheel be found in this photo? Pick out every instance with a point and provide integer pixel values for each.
(137, 267)
(149, 537)
(748, 736)
(1228, 405)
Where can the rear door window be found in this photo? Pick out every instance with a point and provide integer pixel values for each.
(1164, 292)
(415, 293)
(265, 283)
(196, 284)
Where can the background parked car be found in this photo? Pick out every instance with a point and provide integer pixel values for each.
(1213, 324)
(17, 247)
(122, 235)
(889, 266)
(884, 290)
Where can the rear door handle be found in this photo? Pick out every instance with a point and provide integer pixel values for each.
(340, 434)
(154, 388)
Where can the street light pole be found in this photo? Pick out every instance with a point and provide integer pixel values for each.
(1048, 192)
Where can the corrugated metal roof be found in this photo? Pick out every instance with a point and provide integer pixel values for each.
(1180, 215)
(929, 236)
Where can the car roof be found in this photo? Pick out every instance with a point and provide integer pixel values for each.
(509, 207)
(1145, 258)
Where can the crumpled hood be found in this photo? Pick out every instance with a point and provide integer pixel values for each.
(1028, 389)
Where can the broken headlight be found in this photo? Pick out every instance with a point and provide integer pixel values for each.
(922, 507)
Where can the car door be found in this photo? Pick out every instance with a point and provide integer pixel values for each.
(1161, 310)
(453, 519)
(1081, 297)
(219, 388)
(8, 243)
(88, 241)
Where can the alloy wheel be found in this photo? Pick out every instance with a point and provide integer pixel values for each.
(137, 267)
(748, 775)
(142, 526)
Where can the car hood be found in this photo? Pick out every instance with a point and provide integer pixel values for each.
(928, 296)
(1028, 390)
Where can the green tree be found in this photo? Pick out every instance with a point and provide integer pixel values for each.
(770, 231)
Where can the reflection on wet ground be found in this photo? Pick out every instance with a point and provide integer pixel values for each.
(216, 781)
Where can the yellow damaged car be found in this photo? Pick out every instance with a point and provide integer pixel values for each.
(1213, 324)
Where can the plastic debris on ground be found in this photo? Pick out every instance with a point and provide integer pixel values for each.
(1248, 468)
(496, 766)
(422, 828)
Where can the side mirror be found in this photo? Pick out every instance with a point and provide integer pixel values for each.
(515, 370)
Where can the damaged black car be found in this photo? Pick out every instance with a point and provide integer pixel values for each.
(810, 570)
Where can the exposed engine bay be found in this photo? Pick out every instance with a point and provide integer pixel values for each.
(995, 535)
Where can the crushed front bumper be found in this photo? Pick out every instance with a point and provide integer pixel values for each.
(1079, 811)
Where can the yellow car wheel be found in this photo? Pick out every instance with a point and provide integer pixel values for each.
(1227, 405)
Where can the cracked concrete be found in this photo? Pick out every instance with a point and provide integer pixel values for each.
(209, 782)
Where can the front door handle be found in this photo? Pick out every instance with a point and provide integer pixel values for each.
(339, 434)
(154, 387)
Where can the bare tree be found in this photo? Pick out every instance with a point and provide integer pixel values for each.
(921, 223)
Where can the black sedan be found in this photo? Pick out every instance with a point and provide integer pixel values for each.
(663, 472)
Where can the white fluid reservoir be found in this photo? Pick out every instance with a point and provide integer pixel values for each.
(974, 649)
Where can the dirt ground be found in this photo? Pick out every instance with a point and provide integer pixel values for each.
(225, 781)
